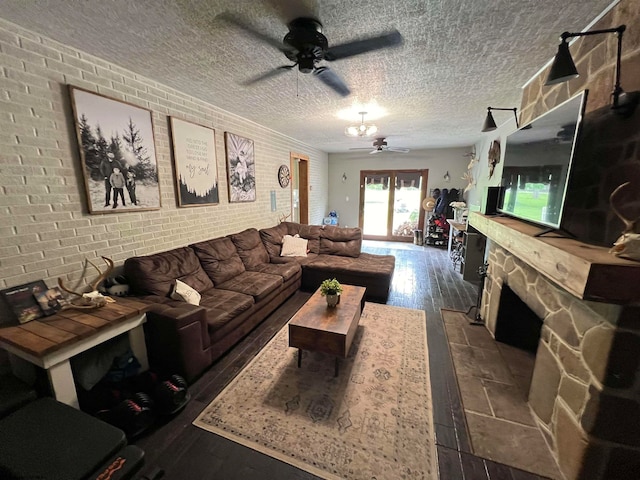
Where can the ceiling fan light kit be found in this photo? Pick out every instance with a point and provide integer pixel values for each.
(564, 69)
(362, 130)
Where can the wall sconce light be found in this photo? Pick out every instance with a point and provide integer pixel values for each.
(344, 177)
(490, 123)
(563, 69)
(447, 177)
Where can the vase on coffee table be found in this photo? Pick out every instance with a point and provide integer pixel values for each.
(332, 300)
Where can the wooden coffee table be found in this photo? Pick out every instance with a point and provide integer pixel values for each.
(319, 328)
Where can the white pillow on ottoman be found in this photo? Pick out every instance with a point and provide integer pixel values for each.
(294, 246)
(182, 291)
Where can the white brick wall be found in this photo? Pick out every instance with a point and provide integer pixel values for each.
(45, 230)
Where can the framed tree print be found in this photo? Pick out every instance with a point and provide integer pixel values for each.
(194, 156)
(117, 153)
(241, 168)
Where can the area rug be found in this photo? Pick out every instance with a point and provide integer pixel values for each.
(374, 420)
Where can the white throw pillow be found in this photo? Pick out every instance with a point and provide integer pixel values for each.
(182, 291)
(294, 246)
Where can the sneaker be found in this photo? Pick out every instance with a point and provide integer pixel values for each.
(114, 205)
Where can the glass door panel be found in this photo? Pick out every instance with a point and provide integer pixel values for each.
(376, 204)
(390, 203)
(407, 203)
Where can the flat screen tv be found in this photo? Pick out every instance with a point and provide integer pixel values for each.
(537, 164)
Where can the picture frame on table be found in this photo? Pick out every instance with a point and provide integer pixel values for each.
(117, 153)
(22, 302)
(51, 301)
(241, 168)
(194, 157)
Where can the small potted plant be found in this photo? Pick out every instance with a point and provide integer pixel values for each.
(332, 290)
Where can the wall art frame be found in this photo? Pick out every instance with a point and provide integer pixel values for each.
(115, 134)
(241, 168)
(194, 158)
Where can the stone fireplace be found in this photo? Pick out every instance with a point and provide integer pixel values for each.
(585, 389)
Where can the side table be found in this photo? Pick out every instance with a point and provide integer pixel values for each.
(50, 342)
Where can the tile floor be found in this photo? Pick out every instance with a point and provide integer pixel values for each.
(493, 379)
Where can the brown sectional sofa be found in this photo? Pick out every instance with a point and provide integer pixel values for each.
(241, 279)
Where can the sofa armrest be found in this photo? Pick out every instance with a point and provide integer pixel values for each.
(177, 339)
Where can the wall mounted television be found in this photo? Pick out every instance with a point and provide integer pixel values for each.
(537, 165)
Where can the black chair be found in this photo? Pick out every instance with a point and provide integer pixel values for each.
(48, 440)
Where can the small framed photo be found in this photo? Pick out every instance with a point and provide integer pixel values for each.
(241, 168)
(22, 302)
(194, 156)
(51, 301)
(117, 153)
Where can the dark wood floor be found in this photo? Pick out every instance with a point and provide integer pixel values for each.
(424, 279)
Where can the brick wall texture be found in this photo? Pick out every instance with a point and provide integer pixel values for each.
(46, 231)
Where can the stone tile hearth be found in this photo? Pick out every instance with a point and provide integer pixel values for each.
(493, 379)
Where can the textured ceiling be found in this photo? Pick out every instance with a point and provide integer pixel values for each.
(458, 57)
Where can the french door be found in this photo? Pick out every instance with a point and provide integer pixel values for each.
(390, 203)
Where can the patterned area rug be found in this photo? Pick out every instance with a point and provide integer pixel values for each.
(372, 421)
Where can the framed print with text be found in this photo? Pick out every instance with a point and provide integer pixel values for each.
(194, 156)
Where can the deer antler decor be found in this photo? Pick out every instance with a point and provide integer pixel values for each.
(92, 299)
(628, 244)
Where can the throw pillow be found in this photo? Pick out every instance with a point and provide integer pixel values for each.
(294, 246)
(182, 291)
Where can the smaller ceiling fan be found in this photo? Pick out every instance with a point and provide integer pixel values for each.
(380, 145)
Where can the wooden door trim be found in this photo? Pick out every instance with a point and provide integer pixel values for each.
(303, 185)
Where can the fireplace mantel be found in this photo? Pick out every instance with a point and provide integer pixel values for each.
(587, 271)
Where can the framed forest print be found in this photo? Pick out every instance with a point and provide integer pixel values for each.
(241, 168)
(194, 156)
(117, 153)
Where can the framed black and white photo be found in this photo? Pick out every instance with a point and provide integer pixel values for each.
(117, 152)
(194, 156)
(241, 168)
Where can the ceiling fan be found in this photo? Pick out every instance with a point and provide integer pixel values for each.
(380, 145)
(306, 47)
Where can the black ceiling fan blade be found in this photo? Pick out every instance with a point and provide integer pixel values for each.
(267, 75)
(240, 23)
(333, 81)
(338, 52)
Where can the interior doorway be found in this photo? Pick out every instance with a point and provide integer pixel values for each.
(390, 203)
(299, 188)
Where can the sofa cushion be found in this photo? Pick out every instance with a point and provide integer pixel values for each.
(250, 248)
(272, 239)
(156, 274)
(258, 285)
(223, 306)
(294, 246)
(346, 242)
(286, 270)
(310, 232)
(219, 259)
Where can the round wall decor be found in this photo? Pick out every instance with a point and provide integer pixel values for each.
(283, 176)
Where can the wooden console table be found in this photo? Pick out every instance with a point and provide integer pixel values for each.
(50, 342)
(453, 225)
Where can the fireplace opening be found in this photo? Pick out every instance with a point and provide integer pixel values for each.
(517, 325)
